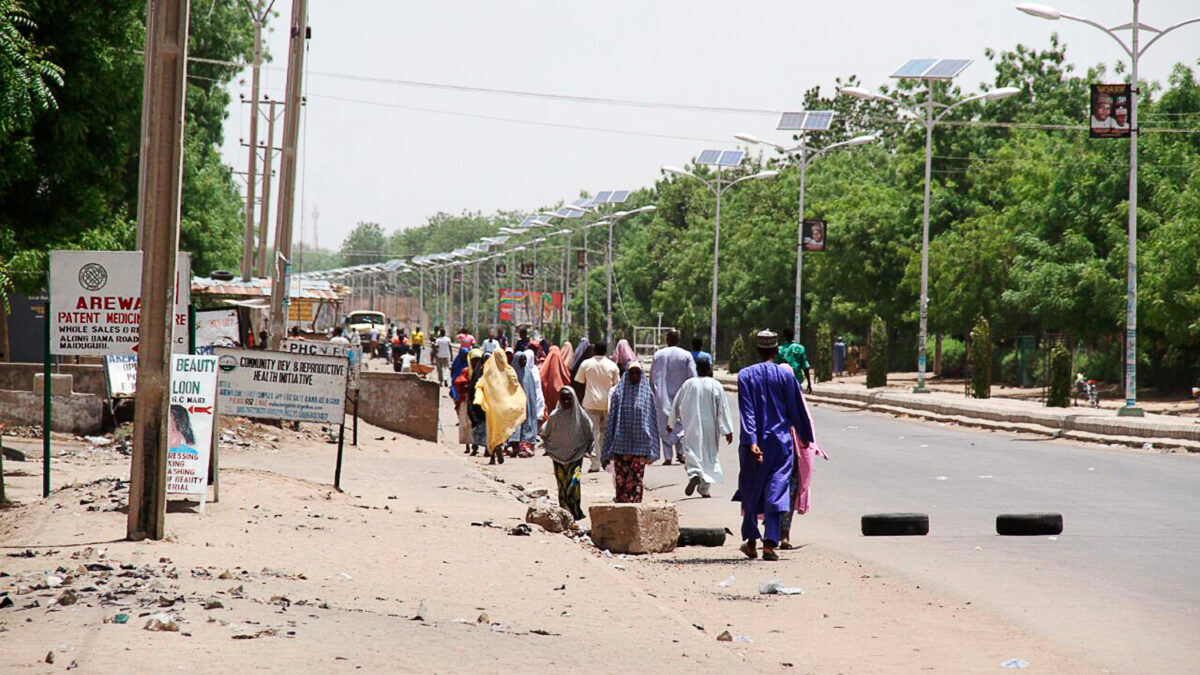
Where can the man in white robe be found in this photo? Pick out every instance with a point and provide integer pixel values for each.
(671, 368)
(701, 410)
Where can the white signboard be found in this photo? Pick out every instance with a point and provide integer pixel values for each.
(96, 303)
(189, 434)
(216, 328)
(324, 348)
(279, 385)
(121, 372)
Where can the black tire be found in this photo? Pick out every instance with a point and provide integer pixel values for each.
(221, 275)
(701, 536)
(895, 524)
(1029, 524)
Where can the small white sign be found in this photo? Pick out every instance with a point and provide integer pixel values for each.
(96, 302)
(325, 348)
(120, 370)
(189, 434)
(279, 385)
(217, 328)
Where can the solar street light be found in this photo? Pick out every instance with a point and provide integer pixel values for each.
(1135, 51)
(929, 69)
(719, 159)
(803, 154)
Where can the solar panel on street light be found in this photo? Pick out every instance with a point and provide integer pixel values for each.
(932, 69)
(602, 197)
(946, 69)
(709, 157)
(814, 120)
(914, 68)
(731, 158)
(619, 196)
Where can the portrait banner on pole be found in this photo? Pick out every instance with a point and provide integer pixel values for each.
(1110, 108)
(814, 234)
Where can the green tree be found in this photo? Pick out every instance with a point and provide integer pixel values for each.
(365, 244)
(877, 358)
(822, 356)
(1059, 395)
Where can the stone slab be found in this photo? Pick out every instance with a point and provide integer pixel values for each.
(651, 527)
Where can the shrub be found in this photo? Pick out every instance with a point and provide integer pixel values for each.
(737, 355)
(1059, 395)
(877, 360)
(822, 355)
(953, 354)
(981, 359)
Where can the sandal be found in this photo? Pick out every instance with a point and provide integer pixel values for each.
(769, 554)
(750, 550)
(786, 545)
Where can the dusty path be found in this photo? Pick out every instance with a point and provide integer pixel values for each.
(309, 579)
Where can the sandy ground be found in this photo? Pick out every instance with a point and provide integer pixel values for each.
(403, 573)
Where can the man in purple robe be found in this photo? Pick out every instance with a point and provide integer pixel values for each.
(770, 405)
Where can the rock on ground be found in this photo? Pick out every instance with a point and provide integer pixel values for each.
(550, 516)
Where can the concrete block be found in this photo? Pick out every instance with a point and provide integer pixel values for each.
(60, 385)
(399, 402)
(635, 528)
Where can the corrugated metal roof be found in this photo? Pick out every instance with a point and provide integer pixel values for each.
(304, 289)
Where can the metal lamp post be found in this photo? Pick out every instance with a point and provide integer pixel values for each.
(608, 258)
(930, 120)
(1135, 51)
(718, 188)
(804, 155)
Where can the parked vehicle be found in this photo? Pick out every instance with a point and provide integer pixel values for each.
(362, 321)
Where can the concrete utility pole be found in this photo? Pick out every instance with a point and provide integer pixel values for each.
(257, 15)
(268, 160)
(159, 195)
(287, 173)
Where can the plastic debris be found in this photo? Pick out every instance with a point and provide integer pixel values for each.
(121, 618)
(728, 580)
(1015, 663)
(421, 612)
(942, 478)
(776, 587)
(741, 638)
(161, 622)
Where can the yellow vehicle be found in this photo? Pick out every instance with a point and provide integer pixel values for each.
(362, 321)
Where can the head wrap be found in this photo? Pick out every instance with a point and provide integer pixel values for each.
(456, 368)
(568, 433)
(624, 354)
(554, 376)
(500, 395)
(567, 350)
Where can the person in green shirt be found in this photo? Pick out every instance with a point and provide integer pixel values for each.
(793, 354)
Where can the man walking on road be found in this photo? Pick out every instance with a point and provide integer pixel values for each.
(701, 409)
(672, 367)
(771, 405)
(598, 375)
(441, 352)
(417, 341)
(793, 354)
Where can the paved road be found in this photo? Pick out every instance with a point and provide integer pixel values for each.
(1120, 584)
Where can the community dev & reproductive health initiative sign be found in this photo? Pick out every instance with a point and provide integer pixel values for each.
(279, 385)
(96, 302)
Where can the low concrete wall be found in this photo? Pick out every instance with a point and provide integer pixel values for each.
(76, 414)
(404, 403)
(87, 379)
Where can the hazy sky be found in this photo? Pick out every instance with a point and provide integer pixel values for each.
(396, 154)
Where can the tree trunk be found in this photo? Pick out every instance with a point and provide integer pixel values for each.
(937, 354)
(4, 351)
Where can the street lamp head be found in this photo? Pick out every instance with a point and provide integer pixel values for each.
(748, 138)
(1040, 11)
(860, 93)
(769, 173)
(1002, 92)
(677, 171)
(862, 140)
(649, 208)
(600, 223)
(619, 215)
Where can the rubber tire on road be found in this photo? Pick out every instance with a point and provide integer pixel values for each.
(895, 524)
(1029, 524)
(701, 536)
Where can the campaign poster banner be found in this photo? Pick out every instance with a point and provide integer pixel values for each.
(581, 259)
(1110, 111)
(323, 348)
(96, 302)
(501, 269)
(527, 270)
(518, 306)
(283, 386)
(189, 430)
(120, 372)
(217, 328)
(813, 234)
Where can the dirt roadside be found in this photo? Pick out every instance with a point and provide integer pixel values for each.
(307, 578)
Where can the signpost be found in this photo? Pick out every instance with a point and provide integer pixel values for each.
(190, 435)
(98, 305)
(216, 328)
(284, 386)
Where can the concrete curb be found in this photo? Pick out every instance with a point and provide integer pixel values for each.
(1085, 427)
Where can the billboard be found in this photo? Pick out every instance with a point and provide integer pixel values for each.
(325, 348)
(1110, 111)
(813, 234)
(530, 307)
(282, 386)
(96, 302)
